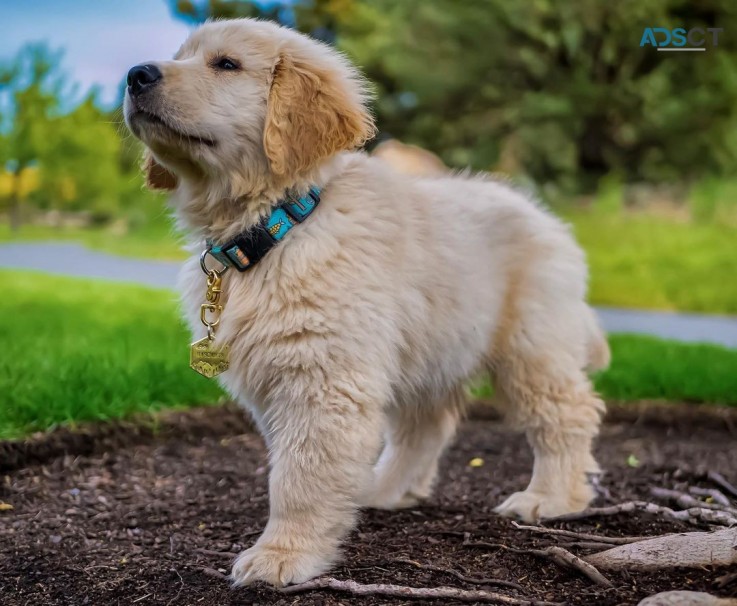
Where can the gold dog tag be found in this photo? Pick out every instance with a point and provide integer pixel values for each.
(207, 358)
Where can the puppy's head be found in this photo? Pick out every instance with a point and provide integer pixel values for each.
(246, 104)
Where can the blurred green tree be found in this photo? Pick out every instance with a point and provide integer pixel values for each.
(57, 152)
(198, 11)
(81, 163)
(558, 90)
(30, 87)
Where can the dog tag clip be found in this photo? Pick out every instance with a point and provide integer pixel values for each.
(205, 357)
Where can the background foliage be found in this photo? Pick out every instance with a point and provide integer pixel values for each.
(558, 90)
(635, 147)
(60, 152)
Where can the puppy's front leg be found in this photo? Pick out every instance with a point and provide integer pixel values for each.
(322, 448)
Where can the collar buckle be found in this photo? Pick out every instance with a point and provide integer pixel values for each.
(210, 273)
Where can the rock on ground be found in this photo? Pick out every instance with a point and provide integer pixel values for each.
(686, 598)
(686, 550)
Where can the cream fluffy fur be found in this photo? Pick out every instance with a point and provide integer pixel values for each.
(352, 339)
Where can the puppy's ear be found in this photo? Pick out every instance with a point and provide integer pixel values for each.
(313, 113)
(157, 177)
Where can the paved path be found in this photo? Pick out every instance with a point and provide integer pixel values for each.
(694, 328)
(76, 260)
(71, 259)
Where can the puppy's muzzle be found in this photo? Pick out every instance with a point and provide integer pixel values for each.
(142, 78)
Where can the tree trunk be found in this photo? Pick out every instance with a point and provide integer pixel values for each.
(15, 214)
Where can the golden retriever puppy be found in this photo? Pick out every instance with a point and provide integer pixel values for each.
(351, 339)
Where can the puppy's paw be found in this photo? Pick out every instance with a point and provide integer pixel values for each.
(278, 566)
(531, 506)
(524, 505)
(407, 500)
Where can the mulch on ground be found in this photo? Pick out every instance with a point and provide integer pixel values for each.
(152, 514)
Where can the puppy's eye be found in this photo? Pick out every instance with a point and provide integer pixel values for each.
(226, 64)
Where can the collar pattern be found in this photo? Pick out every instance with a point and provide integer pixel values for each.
(246, 249)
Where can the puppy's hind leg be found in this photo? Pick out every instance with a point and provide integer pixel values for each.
(552, 400)
(416, 435)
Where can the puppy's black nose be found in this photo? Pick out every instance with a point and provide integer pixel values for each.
(142, 77)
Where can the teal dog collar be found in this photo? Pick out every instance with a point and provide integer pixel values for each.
(248, 248)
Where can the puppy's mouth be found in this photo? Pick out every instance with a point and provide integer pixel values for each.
(155, 122)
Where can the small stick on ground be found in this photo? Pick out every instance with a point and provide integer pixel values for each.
(557, 555)
(587, 545)
(601, 491)
(564, 558)
(715, 494)
(721, 481)
(694, 515)
(212, 552)
(726, 579)
(686, 501)
(211, 572)
(420, 593)
(461, 577)
(580, 535)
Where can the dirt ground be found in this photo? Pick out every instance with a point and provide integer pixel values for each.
(142, 514)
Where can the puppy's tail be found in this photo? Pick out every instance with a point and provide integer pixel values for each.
(597, 348)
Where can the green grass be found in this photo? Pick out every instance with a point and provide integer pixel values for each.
(644, 261)
(154, 242)
(647, 368)
(78, 350)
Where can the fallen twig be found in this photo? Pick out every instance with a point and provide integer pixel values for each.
(685, 500)
(212, 552)
(587, 545)
(402, 591)
(715, 494)
(722, 482)
(601, 491)
(694, 515)
(181, 586)
(563, 557)
(726, 579)
(468, 543)
(461, 577)
(579, 535)
(557, 555)
(211, 572)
